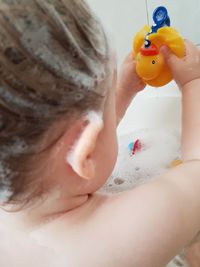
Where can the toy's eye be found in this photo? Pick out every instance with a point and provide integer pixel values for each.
(147, 43)
(153, 62)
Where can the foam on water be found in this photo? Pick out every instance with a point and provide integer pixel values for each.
(159, 149)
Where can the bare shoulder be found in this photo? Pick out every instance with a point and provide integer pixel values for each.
(109, 231)
(92, 235)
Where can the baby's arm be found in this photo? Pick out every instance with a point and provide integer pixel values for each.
(128, 85)
(154, 222)
(187, 75)
(144, 227)
(191, 120)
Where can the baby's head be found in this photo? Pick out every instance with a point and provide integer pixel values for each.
(57, 110)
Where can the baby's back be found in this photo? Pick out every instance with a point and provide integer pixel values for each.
(77, 239)
(94, 235)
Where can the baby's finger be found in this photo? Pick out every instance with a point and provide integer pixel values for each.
(169, 56)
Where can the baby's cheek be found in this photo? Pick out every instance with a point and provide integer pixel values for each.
(112, 152)
(107, 157)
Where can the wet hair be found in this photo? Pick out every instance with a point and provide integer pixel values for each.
(54, 58)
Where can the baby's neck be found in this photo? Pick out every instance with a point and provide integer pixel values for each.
(41, 212)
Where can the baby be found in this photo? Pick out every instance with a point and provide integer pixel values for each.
(60, 102)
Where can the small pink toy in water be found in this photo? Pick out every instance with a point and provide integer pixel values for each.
(135, 146)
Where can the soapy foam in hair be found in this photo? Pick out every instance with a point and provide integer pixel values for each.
(54, 64)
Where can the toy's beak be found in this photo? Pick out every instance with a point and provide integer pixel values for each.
(151, 50)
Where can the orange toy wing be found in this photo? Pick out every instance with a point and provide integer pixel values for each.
(140, 38)
(170, 37)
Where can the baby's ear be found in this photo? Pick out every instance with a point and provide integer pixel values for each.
(80, 157)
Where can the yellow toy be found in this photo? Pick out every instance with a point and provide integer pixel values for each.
(150, 63)
(176, 163)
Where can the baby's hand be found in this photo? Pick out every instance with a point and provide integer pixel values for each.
(128, 85)
(128, 79)
(184, 69)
